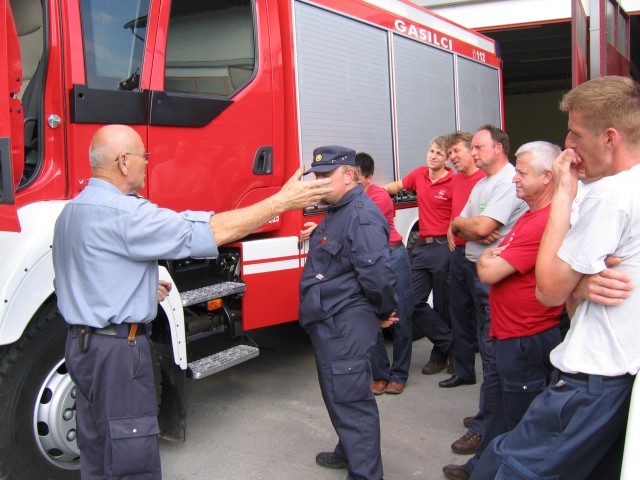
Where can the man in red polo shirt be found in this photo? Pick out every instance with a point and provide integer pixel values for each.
(525, 331)
(430, 256)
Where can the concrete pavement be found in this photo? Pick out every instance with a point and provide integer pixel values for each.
(265, 419)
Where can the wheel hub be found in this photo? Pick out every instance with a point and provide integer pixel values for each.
(54, 419)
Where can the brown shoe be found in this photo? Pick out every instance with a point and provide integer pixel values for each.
(467, 444)
(432, 367)
(379, 386)
(468, 421)
(395, 388)
(455, 472)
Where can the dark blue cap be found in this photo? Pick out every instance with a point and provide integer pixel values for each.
(330, 157)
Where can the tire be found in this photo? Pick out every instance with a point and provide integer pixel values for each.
(38, 423)
(411, 241)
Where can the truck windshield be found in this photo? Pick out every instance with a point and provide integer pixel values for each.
(114, 35)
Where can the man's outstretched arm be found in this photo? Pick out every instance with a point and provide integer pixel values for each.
(295, 194)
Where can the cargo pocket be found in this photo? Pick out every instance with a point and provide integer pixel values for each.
(351, 381)
(534, 385)
(511, 469)
(134, 445)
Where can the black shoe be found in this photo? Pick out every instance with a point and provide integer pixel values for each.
(330, 460)
(455, 381)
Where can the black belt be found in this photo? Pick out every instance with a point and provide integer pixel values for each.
(585, 376)
(430, 240)
(395, 245)
(122, 330)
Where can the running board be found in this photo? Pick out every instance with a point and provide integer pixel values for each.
(220, 361)
(211, 292)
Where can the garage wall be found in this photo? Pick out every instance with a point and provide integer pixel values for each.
(534, 117)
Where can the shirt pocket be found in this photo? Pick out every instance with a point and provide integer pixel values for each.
(329, 259)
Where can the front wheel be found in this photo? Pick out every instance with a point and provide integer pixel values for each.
(37, 401)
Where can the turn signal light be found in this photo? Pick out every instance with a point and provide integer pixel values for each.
(214, 304)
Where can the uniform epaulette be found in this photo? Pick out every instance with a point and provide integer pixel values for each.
(137, 195)
(363, 214)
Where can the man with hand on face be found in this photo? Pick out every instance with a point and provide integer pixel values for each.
(106, 244)
(346, 295)
(573, 428)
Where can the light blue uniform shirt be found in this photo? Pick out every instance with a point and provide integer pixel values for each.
(105, 250)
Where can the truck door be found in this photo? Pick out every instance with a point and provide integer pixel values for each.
(579, 43)
(11, 127)
(600, 31)
(211, 107)
(614, 47)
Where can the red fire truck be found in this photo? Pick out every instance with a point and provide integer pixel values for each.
(230, 96)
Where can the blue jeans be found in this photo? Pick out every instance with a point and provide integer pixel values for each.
(402, 332)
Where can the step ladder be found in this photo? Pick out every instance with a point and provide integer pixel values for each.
(220, 361)
(211, 292)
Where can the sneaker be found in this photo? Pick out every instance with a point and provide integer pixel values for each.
(331, 460)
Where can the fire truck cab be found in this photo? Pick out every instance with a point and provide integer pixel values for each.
(230, 97)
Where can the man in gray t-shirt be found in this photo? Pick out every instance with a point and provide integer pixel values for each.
(491, 211)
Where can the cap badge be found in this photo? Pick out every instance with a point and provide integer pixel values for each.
(318, 157)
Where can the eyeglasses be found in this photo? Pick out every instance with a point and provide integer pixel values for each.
(144, 155)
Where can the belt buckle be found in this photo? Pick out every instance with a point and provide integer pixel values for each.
(429, 240)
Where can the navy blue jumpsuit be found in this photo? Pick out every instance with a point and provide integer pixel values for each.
(346, 288)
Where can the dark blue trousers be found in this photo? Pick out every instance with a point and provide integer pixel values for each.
(342, 345)
(116, 408)
(402, 332)
(566, 432)
(430, 272)
(464, 304)
(522, 372)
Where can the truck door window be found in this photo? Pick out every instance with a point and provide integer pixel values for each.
(210, 47)
(114, 34)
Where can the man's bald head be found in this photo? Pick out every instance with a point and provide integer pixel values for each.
(117, 155)
(109, 142)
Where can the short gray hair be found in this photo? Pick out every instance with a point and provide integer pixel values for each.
(543, 154)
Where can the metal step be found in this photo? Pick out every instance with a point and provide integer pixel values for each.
(211, 292)
(220, 361)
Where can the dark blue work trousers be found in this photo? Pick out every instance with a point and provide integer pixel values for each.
(522, 372)
(464, 304)
(342, 345)
(430, 273)
(566, 432)
(116, 408)
(402, 333)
